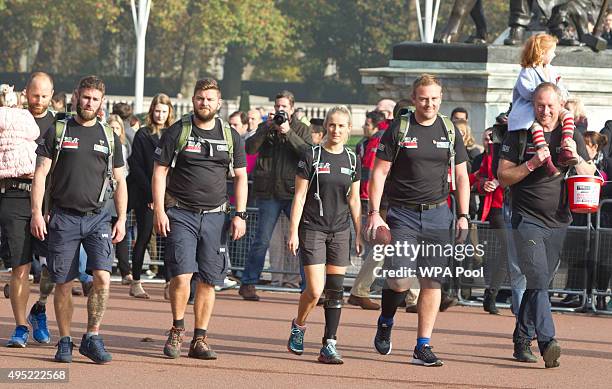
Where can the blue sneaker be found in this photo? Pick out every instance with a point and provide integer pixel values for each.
(19, 338)
(93, 348)
(64, 350)
(38, 321)
(329, 354)
(296, 339)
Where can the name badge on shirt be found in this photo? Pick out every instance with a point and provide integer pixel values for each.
(222, 148)
(193, 147)
(410, 143)
(324, 168)
(101, 148)
(442, 145)
(347, 171)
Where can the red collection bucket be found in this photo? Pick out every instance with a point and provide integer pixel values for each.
(583, 193)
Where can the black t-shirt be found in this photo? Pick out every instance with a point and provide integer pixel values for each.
(81, 168)
(44, 123)
(335, 179)
(199, 178)
(419, 175)
(538, 195)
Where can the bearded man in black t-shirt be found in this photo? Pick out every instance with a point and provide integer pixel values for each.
(191, 210)
(417, 188)
(81, 161)
(540, 216)
(14, 221)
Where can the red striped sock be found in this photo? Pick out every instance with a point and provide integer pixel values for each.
(567, 131)
(537, 134)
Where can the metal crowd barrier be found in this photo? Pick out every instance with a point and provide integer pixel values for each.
(587, 255)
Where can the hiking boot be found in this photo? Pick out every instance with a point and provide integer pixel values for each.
(172, 348)
(382, 340)
(38, 320)
(488, 303)
(522, 351)
(566, 159)
(295, 344)
(64, 350)
(136, 290)
(20, 337)
(447, 301)
(93, 348)
(425, 357)
(363, 302)
(329, 354)
(167, 291)
(551, 354)
(248, 292)
(200, 349)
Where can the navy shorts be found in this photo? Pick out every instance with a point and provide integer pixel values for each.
(15, 215)
(318, 247)
(428, 231)
(197, 244)
(69, 229)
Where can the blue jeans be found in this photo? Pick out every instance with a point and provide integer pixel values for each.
(518, 282)
(269, 211)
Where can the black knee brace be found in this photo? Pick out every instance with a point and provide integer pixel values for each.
(333, 291)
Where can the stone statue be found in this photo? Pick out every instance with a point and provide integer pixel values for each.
(458, 14)
(568, 20)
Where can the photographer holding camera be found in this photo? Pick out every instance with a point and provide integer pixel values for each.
(280, 141)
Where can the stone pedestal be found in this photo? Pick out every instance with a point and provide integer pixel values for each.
(481, 78)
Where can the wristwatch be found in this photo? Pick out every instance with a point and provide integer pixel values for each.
(465, 215)
(243, 215)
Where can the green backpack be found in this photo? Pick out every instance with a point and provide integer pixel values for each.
(228, 141)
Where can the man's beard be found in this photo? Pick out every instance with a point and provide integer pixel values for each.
(86, 115)
(37, 110)
(204, 117)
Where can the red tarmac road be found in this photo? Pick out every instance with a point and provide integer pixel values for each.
(250, 339)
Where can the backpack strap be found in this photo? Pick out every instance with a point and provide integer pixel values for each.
(450, 134)
(522, 145)
(229, 139)
(403, 131)
(316, 159)
(353, 163)
(60, 133)
(108, 178)
(182, 140)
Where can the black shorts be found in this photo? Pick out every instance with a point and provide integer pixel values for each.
(318, 247)
(15, 215)
(197, 244)
(67, 231)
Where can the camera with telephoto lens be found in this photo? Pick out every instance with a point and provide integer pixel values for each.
(280, 117)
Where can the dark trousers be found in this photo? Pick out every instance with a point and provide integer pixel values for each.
(122, 254)
(538, 249)
(144, 224)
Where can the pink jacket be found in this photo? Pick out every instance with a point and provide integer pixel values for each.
(18, 133)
